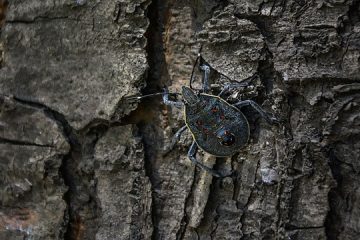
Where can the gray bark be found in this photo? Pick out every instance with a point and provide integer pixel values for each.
(80, 160)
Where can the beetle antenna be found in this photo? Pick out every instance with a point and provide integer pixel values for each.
(192, 73)
(193, 70)
(144, 96)
(149, 95)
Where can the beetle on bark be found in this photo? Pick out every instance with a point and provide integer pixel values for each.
(217, 126)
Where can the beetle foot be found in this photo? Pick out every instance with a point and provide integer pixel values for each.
(270, 119)
(274, 121)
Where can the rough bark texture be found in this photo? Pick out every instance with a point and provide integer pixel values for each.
(79, 160)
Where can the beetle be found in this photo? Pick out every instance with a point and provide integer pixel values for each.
(217, 127)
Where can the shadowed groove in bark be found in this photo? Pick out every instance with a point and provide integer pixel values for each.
(70, 183)
(64, 171)
(36, 19)
(68, 132)
(82, 145)
(341, 171)
(248, 202)
(185, 221)
(156, 13)
(22, 143)
(78, 224)
(333, 223)
(346, 23)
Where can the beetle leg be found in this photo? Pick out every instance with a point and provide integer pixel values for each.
(236, 85)
(265, 115)
(192, 156)
(193, 70)
(206, 84)
(170, 102)
(175, 139)
(231, 86)
(224, 90)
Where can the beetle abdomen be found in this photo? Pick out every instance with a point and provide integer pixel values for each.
(217, 127)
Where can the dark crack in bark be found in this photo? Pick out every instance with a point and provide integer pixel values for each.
(23, 143)
(81, 193)
(38, 19)
(147, 112)
(245, 207)
(185, 221)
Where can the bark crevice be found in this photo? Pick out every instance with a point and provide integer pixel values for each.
(82, 143)
(64, 170)
(23, 143)
(156, 14)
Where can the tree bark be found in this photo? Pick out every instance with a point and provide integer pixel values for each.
(79, 159)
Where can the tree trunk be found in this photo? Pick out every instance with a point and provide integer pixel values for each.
(79, 159)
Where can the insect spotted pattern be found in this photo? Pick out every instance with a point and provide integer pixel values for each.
(218, 127)
(207, 125)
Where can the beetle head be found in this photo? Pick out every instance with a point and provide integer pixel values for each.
(189, 96)
(226, 138)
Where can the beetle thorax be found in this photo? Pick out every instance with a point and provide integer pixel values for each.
(189, 96)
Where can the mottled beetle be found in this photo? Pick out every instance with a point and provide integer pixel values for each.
(218, 127)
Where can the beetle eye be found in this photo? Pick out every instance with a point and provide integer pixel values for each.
(226, 138)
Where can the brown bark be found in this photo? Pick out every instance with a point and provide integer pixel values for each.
(79, 160)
